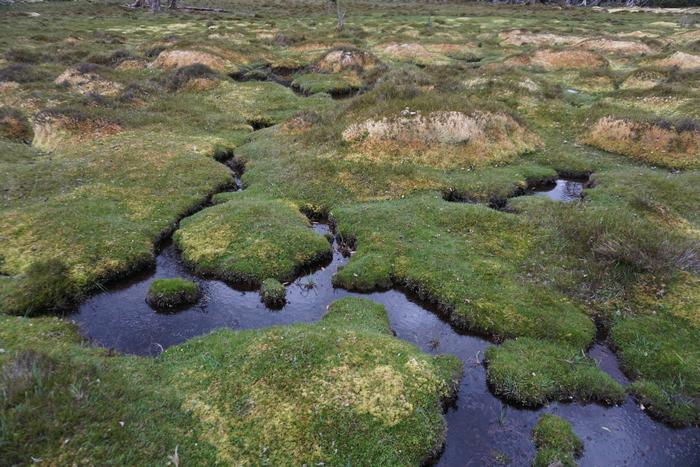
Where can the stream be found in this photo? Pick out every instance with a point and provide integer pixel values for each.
(482, 430)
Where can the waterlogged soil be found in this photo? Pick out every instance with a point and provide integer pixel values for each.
(482, 430)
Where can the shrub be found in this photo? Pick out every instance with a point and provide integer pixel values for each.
(166, 294)
(21, 73)
(273, 293)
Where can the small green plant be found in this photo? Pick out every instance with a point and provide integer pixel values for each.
(273, 293)
(556, 442)
(165, 294)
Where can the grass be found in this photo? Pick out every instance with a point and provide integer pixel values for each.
(231, 402)
(171, 293)
(117, 161)
(660, 350)
(556, 442)
(248, 240)
(273, 293)
(413, 243)
(531, 372)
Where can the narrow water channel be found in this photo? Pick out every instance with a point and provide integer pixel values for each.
(482, 430)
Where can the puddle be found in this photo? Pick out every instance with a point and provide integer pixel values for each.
(482, 430)
(562, 189)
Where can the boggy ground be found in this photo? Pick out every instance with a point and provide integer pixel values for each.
(460, 107)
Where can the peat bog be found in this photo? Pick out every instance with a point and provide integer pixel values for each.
(377, 233)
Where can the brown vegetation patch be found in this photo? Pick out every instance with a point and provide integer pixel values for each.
(14, 126)
(88, 83)
(52, 127)
(132, 64)
(182, 58)
(617, 46)
(552, 60)
(406, 52)
(643, 80)
(680, 60)
(440, 139)
(655, 143)
(519, 37)
(343, 59)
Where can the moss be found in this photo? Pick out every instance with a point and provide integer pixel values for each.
(166, 294)
(337, 391)
(556, 442)
(273, 293)
(532, 372)
(248, 240)
(414, 243)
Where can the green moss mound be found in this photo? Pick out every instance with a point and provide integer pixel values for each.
(172, 293)
(556, 442)
(341, 391)
(467, 258)
(532, 372)
(273, 293)
(248, 240)
(661, 351)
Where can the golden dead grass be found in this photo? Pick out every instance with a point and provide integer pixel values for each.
(88, 83)
(340, 60)
(51, 131)
(411, 52)
(180, 58)
(552, 60)
(647, 142)
(440, 139)
(617, 46)
(519, 37)
(680, 60)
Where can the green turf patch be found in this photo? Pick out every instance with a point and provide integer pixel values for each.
(556, 442)
(339, 391)
(165, 294)
(248, 240)
(532, 372)
(467, 258)
(273, 293)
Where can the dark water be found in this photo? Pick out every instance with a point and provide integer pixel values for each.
(563, 189)
(482, 430)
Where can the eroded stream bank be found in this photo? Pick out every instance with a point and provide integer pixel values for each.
(481, 429)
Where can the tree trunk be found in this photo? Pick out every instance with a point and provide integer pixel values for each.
(173, 5)
(155, 6)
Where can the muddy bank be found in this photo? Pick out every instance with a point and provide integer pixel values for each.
(482, 430)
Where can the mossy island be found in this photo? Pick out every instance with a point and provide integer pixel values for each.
(169, 294)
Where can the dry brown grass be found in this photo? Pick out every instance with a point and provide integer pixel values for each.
(680, 60)
(88, 83)
(51, 130)
(617, 46)
(647, 142)
(344, 59)
(552, 60)
(181, 58)
(444, 139)
(519, 37)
